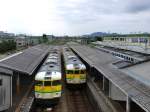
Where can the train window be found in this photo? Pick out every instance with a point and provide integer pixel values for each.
(0, 82)
(56, 82)
(69, 72)
(47, 83)
(129, 59)
(38, 83)
(76, 72)
(82, 72)
(124, 57)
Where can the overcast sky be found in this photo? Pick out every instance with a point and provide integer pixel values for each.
(74, 17)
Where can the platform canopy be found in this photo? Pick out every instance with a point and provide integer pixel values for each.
(25, 61)
(140, 71)
(133, 85)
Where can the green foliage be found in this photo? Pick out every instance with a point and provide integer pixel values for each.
(7, 46)
(99, 38)
(45, 39)
(39, 41)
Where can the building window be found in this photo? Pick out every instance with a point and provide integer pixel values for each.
(0, 82)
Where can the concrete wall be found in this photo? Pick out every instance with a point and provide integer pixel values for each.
(5, 92)
(5, 89)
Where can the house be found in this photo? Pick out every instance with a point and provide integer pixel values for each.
(21, 41)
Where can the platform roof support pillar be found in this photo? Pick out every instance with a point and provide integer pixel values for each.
(128, 104)
(103, 83)
(11, 92)
(91, 73)
(18, 84)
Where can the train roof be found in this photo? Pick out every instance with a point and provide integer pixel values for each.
(71, 60)
(48, 75)
(51, 61)
(51, 68)
(52, 57)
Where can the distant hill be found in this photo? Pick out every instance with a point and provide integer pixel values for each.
(99, 34)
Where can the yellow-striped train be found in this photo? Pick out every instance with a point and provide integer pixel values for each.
(75, 70)
(48, 86)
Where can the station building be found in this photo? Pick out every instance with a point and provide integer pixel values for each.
(128, 40)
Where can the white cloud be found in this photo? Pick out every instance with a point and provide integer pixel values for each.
(73, 17)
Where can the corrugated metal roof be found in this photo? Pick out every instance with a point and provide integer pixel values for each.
(27, 61)
(5, 71)
(140, 71)
(122, 63)
(138, 91)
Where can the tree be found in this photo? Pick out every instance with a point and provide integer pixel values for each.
(99, 38)
(45, 39)
(39, 40)
(7, 45)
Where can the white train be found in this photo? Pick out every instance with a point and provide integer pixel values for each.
(48, 86)
(75, 70)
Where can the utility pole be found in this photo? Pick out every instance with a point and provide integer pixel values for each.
(146, 43)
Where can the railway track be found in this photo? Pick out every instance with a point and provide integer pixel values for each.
(77, 101)
(71, 101)
(27, 101)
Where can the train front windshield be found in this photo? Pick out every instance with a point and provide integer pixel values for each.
(56, 82)
(83, 72)
(48, 83)
(75, 72)
(52, 83)
(38, 83)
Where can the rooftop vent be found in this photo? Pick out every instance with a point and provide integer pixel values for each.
(51, 66)
(74, 60)
(49, 73)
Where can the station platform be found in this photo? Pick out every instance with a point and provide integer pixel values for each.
(126, 88)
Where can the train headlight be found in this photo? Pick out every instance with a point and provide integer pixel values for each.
(38, 95)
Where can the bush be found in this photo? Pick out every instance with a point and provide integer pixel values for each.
(7, 46)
